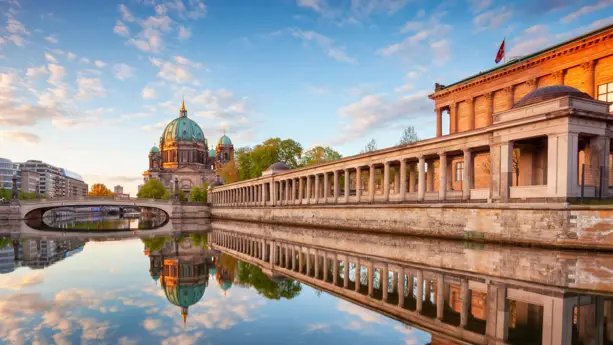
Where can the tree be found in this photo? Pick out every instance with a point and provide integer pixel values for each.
(252, 275)
(252, 162)
(408, 136)
(245, 164)
(199, 195)
(370, 147)
(153, 189)
(99, 189)
(318, 155)
(229, 172)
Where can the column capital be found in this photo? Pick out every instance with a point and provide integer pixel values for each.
(442, 154)
(508, 89)
(488, 95)
(558, 74)
(470, 100)
(588, 65)
(467, 150)
(531, 82)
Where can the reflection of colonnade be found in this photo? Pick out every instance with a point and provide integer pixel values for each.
(450, 304)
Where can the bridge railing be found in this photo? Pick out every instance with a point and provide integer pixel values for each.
(94, 198)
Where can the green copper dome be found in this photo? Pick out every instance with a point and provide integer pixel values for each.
(212, 153)
(184, 296)
(183, 128)
(154, 149)
(225, 140)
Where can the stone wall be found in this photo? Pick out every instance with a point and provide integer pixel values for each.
(190, 210)
(9, 212)
(533, 224)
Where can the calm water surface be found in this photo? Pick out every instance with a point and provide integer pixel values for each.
(210, 284)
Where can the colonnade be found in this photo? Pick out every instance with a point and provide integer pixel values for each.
(469, 308)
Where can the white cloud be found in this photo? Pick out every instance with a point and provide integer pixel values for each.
(351, 12)
(149, 93)
(325, 43)
(531, 40)
(149, 41)
(122, 71)
(34, 72)
(71, 56)
(52, 39)
(50, 58)
(135, 116)
(318, 90)
(477, 6)
(194, 9)
(89, 88)
(178, 72)
(12, 114)
(405, 88)
(377, 111)
(16, 27)
(99, 64)
(126, 14)
(56, 74)
(602, 4)
(493, 18)
(121, 29)
(184, 33)
(15, 282)
(84, 60)
(155, 126)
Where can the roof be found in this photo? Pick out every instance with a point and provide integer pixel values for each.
(154, 149)
(528, 57)
(224, 140)
(549, 92)
(278, 166)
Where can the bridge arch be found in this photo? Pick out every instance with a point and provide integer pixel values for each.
(30, 209)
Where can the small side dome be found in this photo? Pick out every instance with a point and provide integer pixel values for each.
(224, 140)
(550, 92)
(278, 166)
(212, 153)
(216, 183)
(154, 149)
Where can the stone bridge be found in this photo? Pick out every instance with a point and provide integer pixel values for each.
(36, 208)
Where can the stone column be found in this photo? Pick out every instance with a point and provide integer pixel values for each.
(506, 170)
(326, 268)
(273, 192)
(430, 176)
(371, 278)
(300, 260)
(308, 189)
(384, 282)
(396, 181)
(337, 186)
(300, 191)
(467, 177)
(442, 176)
(465, 296)
(489, 108)
(453, 121)
(335, 270)
(420, 291)
(386, 181)
(439, 122)
(371, 184)
(347, 185)
(563, 180)
(403, 179)
(346, 273)
(421, 185)
(357, 275)
(471, 113)
(358, 184)
(411, 181)
(316, 188)
(316, 264)
(509, 93)
(588, 68)
(401, 287)
(326, 189)
(440, 296)
(307, 256)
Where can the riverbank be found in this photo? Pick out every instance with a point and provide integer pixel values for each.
(548, 225)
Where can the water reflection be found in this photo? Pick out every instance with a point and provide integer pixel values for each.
(141, 220)
(276, 284)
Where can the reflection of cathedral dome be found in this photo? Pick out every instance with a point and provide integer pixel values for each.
(183, 128)
(224, 140)
(184, 296)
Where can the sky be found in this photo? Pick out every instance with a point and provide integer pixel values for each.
(90, 85)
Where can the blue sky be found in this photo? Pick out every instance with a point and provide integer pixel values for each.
(89, 85)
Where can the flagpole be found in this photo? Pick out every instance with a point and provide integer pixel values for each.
(504, 54)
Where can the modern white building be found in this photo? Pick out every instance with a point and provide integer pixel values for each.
(56, 182)
(7, 170)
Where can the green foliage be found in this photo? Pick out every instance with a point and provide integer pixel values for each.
(199, 195)
(156, 243)
(252, 162)
(5, 242)
(153, 189)
(319, 154)
(8, 195)
(253, 276)
(200, 240)
(408, 136)
(370, 147)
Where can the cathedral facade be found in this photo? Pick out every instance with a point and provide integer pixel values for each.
(183, 155)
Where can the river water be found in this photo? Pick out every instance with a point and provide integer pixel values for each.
(152, 282)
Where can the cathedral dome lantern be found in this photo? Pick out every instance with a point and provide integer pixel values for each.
(183, 129)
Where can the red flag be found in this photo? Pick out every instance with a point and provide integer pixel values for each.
(500, 54)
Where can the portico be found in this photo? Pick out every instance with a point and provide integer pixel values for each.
(532, 152)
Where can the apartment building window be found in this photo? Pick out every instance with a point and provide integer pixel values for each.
(605, 93)
(459, 171)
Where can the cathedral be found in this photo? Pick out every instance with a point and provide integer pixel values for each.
(183, 154)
